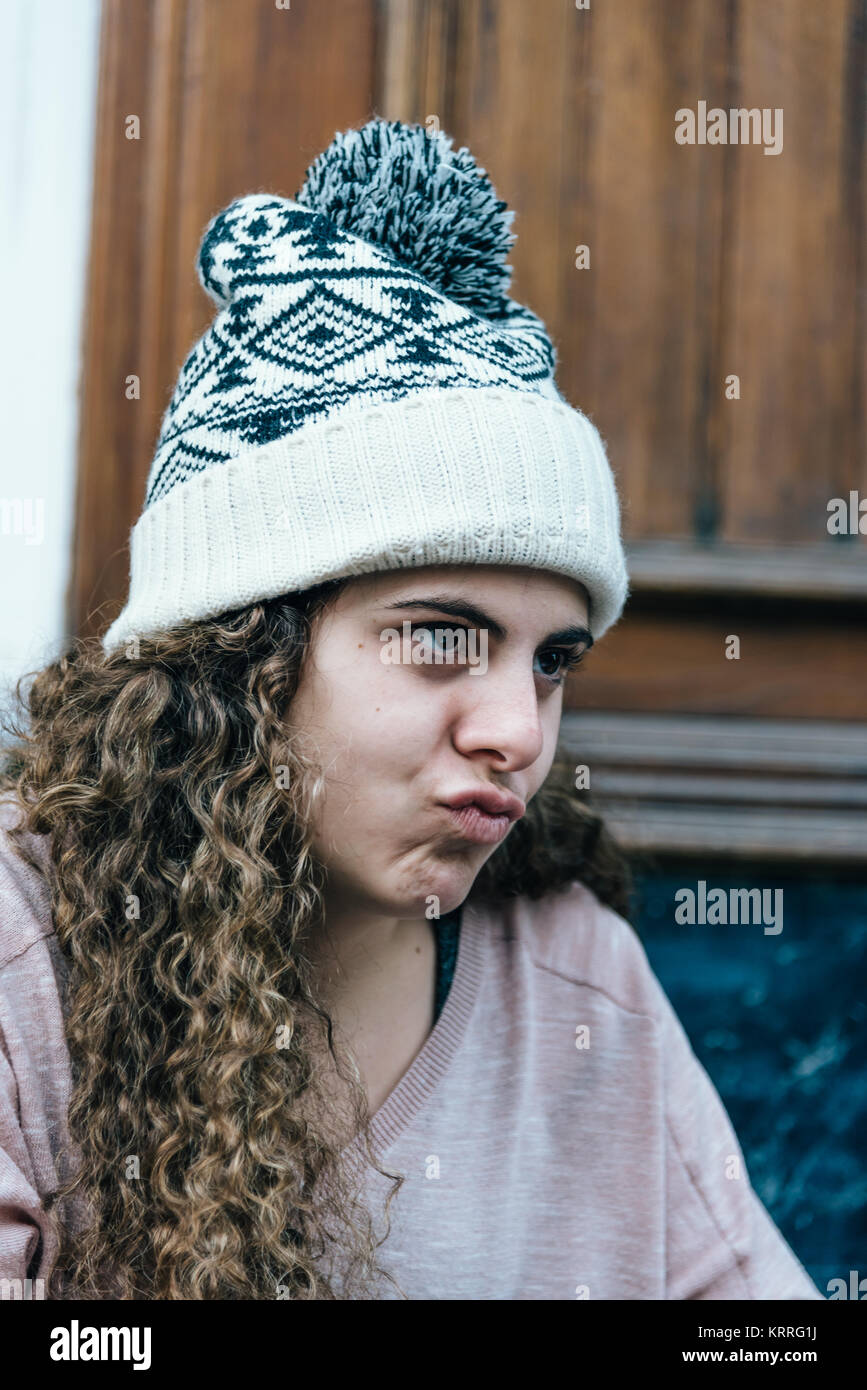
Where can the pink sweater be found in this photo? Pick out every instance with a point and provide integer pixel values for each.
(559, 1136)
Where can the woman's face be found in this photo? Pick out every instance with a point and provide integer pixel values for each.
(397, 738)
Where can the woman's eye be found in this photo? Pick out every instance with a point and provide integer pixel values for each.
(567, 661)
(443, 640)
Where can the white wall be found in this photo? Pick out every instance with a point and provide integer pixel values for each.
(48, 72)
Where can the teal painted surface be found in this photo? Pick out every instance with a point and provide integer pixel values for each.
(780, 1023)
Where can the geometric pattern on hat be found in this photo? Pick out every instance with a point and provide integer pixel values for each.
(314, 320)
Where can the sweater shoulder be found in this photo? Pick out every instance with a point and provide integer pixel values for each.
(572, 934)
(25, 911)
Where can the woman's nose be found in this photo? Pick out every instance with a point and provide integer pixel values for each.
(500, 714)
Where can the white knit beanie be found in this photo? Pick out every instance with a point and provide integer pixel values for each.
(368, 398)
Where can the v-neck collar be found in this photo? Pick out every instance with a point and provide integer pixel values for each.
(430, 1065)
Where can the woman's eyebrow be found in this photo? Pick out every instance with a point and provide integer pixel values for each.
(460, 608)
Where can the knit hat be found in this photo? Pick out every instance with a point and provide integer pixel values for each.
(368, 398)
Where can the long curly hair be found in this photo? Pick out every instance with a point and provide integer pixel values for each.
(214, 1157)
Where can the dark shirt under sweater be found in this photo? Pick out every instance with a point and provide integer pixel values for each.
(447, 934)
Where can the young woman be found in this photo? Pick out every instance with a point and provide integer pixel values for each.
(315, 975)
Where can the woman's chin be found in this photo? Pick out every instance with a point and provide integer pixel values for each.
(444, 889)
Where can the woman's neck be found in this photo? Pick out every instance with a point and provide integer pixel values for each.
(376, 977)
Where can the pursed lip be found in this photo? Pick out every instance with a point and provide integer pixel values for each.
(495, 801)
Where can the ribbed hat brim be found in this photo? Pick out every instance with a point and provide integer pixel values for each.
(460, 476)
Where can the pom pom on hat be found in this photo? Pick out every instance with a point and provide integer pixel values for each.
(404, 188)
